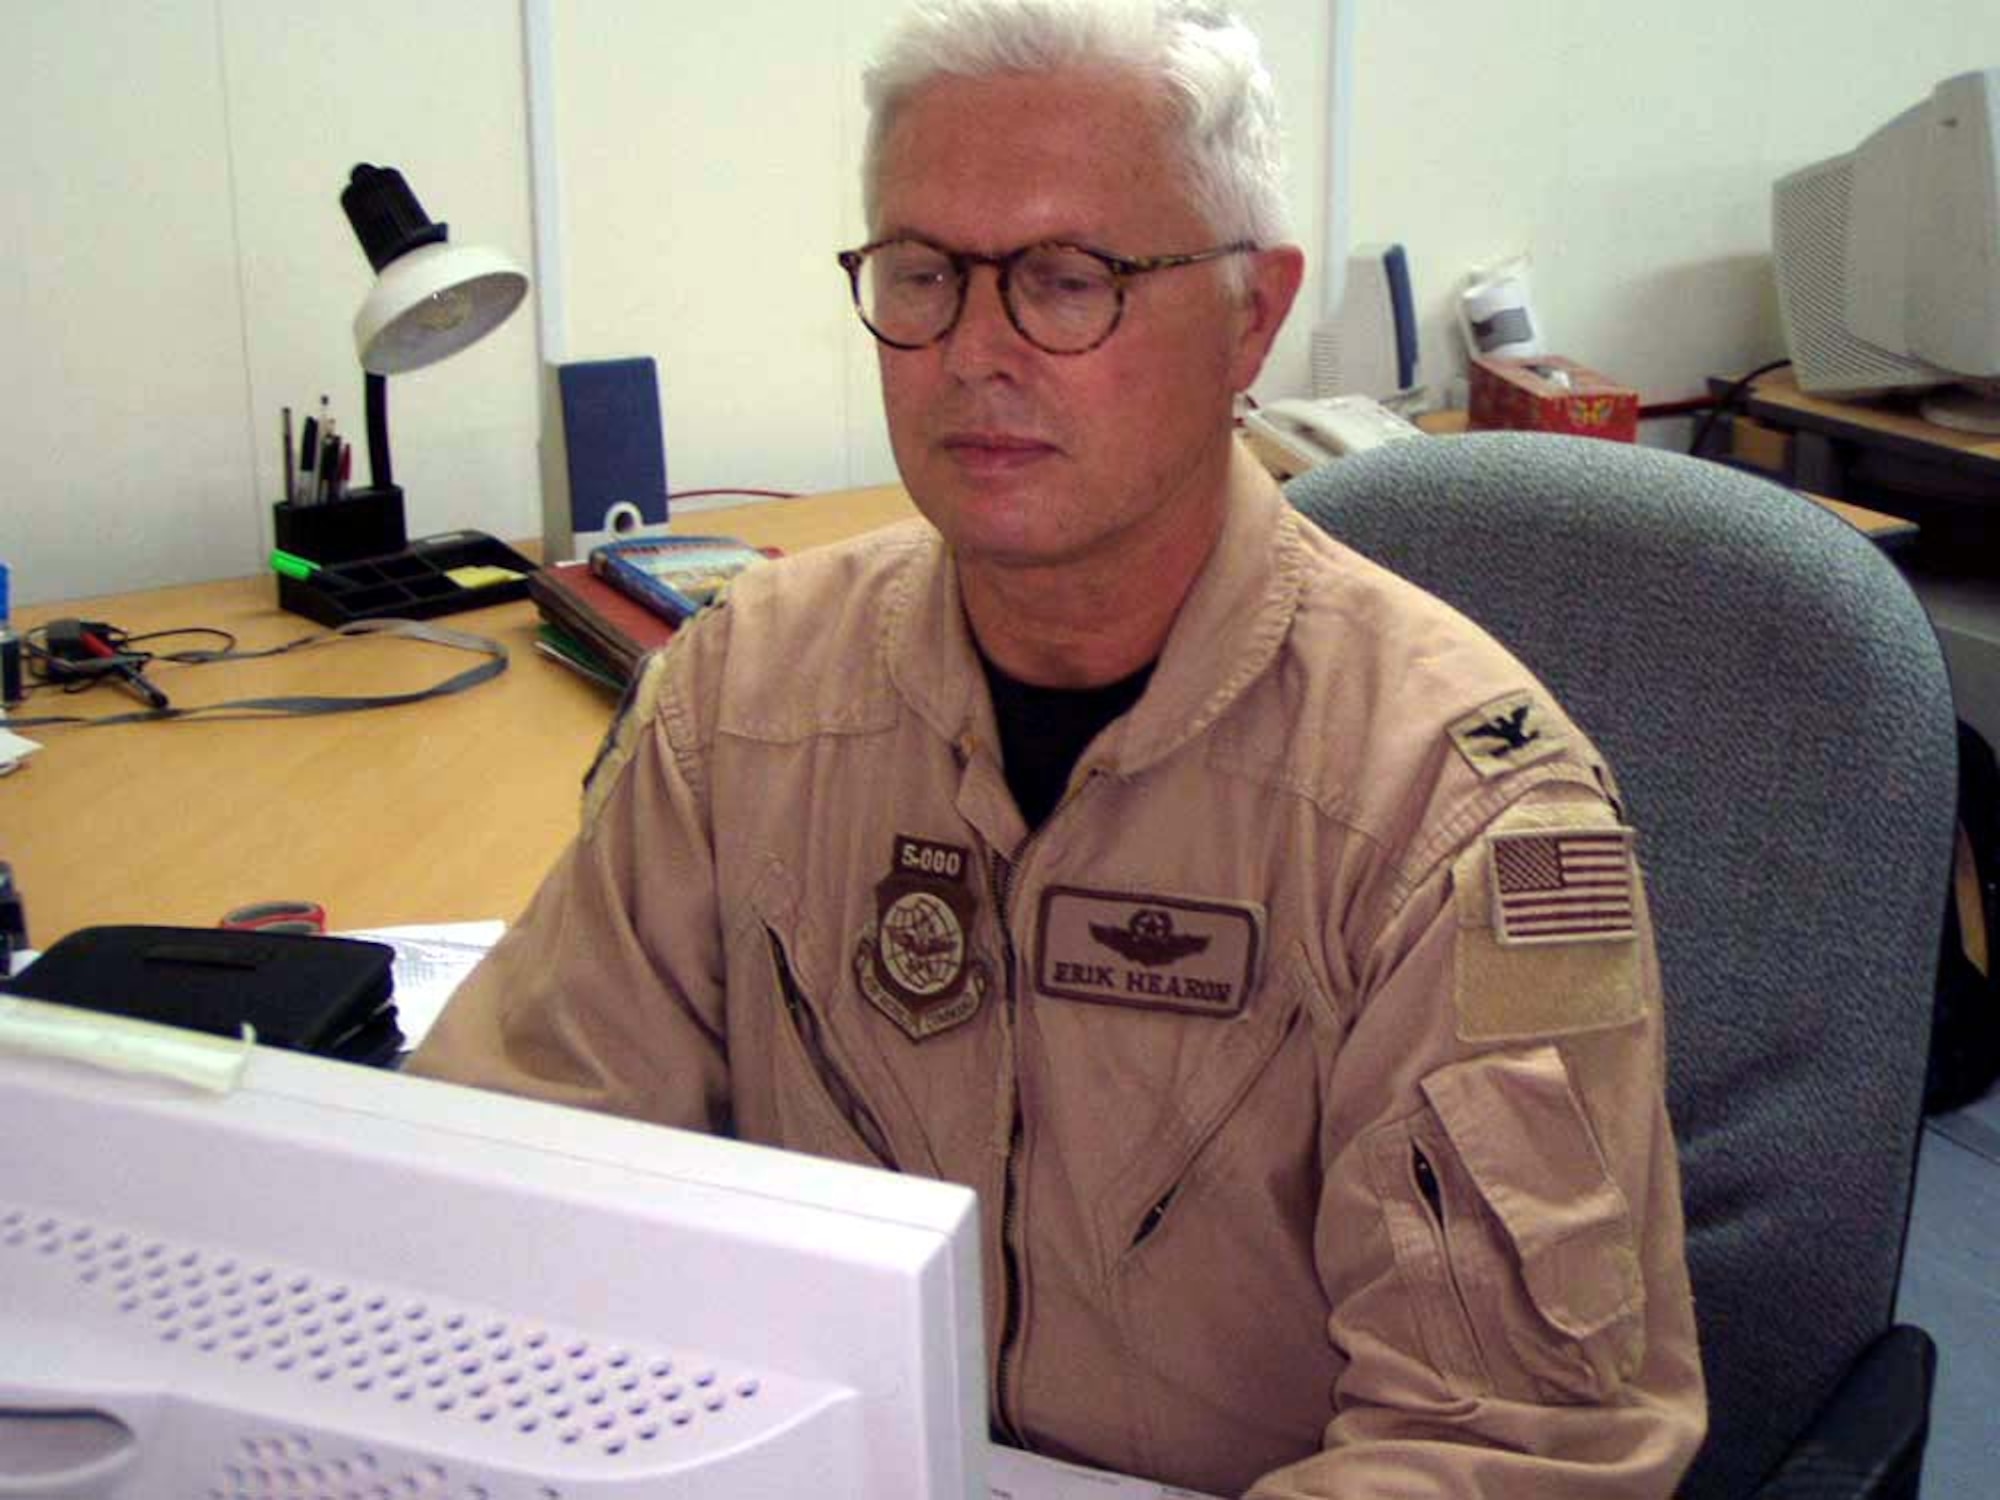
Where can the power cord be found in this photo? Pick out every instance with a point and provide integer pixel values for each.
(61, 655)
(1698, 444)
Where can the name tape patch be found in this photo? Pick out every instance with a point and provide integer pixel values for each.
(1148, 951)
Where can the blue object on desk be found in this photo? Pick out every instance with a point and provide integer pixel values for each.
(617, 454)
(12, 688)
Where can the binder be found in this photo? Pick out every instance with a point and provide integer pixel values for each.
(611, 625)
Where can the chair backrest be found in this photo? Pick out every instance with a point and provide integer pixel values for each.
(1774, 704)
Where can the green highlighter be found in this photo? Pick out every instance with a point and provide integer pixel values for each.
(305, 570)
(292, 565)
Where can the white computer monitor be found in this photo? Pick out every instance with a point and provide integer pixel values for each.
(1888, 259)
(333, 1282)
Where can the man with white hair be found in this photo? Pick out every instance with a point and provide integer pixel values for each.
(1251, 931)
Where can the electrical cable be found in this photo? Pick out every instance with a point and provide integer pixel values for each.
(296, 704)
(1725, 404)
(127, 641)
(731, 490)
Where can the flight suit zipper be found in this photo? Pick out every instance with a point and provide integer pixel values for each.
(1427, 1184)
(1000, 874)
(844, 1097)
(1153, 1217)
(1432, 1192)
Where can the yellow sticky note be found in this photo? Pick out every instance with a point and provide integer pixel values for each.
(479, 575)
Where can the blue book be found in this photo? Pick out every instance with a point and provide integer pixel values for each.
(673, 575)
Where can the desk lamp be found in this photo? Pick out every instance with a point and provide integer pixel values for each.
(431, 298)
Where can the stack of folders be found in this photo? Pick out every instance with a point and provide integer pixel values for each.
(592, 628)
(602, 616)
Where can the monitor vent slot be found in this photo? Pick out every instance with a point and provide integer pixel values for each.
(1809, 236)
(548, 1387)
(297, 1466)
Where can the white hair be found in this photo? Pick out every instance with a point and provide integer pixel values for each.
(1212, 74)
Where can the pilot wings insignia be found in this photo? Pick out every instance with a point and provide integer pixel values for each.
(1149, 938)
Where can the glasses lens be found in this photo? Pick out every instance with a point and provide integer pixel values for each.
(1064, 300)
(908, 291)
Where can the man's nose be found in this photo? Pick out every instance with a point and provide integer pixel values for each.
(984, 335)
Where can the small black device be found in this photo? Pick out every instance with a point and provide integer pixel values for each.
(324, 995)
(13, 920)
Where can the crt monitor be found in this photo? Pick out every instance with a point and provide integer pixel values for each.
(331, 1283)
(1888, 259)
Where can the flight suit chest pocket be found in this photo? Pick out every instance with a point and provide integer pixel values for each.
(1536, 1234)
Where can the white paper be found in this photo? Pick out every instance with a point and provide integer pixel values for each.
(432, 959)
(15, 748)
(1014, 1475)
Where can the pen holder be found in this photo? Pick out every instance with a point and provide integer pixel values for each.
(361, 523)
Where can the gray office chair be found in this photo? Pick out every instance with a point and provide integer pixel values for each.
(1774, 703)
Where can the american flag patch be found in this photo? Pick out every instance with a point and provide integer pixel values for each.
(1571, 885)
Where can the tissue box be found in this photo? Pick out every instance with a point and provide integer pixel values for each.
(1547, 393)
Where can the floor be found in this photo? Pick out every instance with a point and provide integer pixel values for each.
(1951, 1287)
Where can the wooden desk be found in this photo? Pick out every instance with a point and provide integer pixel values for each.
(448, 810)
(1876, 453)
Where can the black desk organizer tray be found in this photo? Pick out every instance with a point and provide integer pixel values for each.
(370, 570)
(413, 584)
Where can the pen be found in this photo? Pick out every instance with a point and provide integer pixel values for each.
(329, 458)
(308, 458)
(128, 671)
(291, 488)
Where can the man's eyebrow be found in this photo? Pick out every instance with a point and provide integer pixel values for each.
(910, 232)
(905, 232)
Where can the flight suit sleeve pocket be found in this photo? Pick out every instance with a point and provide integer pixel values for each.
(1569, 1304)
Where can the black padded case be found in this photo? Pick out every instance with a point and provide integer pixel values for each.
(324, 995)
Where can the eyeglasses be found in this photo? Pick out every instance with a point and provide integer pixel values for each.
(1064, 299)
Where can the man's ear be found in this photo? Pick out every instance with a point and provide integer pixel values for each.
(1274, 280)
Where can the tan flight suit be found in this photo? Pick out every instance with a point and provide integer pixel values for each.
(1307, 1060)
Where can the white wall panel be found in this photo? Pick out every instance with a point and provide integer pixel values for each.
(1631, 152)
(123, 397)
(179, 267)
(434, 89)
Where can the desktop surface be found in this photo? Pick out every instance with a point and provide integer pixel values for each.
(1778, 395)
(1883, 454)
(446, 810)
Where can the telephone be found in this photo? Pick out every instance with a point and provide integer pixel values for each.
(1294, 436)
